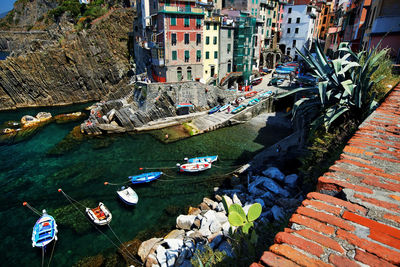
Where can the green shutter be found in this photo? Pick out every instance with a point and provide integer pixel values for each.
(229, 33)
(215, 26)
(174, 55)
(207, 40)
(215, 54)
(198, 54)
(198, 22)
(229, 48)
(207, 55)
(207, 26)
(215, 40)
(187, 54)
(173, 21)
(187, 22)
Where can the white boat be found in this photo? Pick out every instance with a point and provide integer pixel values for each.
(99, 215)
(224, 107)
(128, 195)
(195, 167)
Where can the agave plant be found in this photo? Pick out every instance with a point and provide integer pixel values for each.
(345, 85)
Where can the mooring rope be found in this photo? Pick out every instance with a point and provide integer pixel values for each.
(52, 250)
(70, 199)
(26, 204)
(42, 256)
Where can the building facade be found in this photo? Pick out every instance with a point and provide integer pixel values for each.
(210, 46)
(226, 42)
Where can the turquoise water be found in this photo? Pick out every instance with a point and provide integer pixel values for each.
(29, 173)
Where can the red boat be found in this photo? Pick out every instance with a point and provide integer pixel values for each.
(195, 167)
(256, 81)
(250, 94)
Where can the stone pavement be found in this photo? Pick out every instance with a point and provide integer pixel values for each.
(354, 217)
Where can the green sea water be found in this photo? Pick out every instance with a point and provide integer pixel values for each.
(29, 173)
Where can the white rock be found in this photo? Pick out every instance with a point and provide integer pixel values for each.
(236, 200)
(215, 226)
(228, 200)
(220, 207)
(188, 233)
(274, 173)
(212, 204)
(205, 232)
(225, 228)
(146, 247)
(171, 256)
(174, 244)
(161, 257)
(185, 221)
(221, 217)
(210, 215)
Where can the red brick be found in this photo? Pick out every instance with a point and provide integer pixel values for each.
(395, 197)
(374, 248)
(255, 264)
(344, 156)
(336, 201)
(392, 217)
(385, 238)
(374, 181)
(373, 225)
(301, 243)
(322, 206)
(321, 239)
(274, 260)
(297, 256)
(325, 180)
(323, 217)
(385, 175)
(386, 159)
(359, 164)
(371, 260)
(342, 261)
(311, 223)
(380, 203)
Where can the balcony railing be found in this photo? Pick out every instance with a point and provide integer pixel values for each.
(212, 19)
(184, 10)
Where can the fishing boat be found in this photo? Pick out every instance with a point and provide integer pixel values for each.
(44, 231)
(214, 109)
(266, 94)
(194, 167)
(224, 107)
(253, 102)
(238, 109)
(184, 105)
(251, 94)
(99, 215)
(145, 177)
(128, 195)
(202, 159)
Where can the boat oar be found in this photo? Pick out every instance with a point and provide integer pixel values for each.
(26, 204)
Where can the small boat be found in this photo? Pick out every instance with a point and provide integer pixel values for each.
(128, 195)
(214, 109)
(266, 94)
(202, 159)
(253, 102)
(99, 215)
(256, 81)
(183, 105)
(238, 109)
(251, 94)
(145, 177)
(44, 231)
(224, 107)
(195, 167)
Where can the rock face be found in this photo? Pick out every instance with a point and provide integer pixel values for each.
(81, 66)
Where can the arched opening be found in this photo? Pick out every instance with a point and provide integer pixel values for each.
(261, 60)
(229, 66)
(189, 73)
(270, 60)
(179, 74)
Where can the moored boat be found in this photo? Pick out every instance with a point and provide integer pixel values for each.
(44, 231)
(195, 167)
(253, 102)
(214, 109)
(238, 109)
(224, 107)
(145, 177)
(202, 159)
(128, 195)
(99, 215)
(266, 94)
(183, 105)
(250, 94)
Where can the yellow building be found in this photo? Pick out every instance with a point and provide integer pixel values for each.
(210, 47)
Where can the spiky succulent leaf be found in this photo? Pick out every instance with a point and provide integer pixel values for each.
(322, 91)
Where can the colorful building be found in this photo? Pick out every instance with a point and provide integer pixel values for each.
(226, 43)
(210, 46)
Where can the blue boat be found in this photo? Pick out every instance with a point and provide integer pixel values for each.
(202, 159)
(253, 102)
(214, 109)
(224, 107)
(238, 109)
(145, 177)
(44, 231)
(266, 94)
(184, 105)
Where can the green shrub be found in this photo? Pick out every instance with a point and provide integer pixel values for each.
(207, 257)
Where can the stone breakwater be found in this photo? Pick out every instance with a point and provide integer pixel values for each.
(208, 223)
(151, 102)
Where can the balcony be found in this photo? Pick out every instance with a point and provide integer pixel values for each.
(181, 10)
(212, 19)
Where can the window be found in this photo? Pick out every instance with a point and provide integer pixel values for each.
(326, 11)
(207, 55)
(288, 30)
(308, 9)
(198, 55)
(294, 43)
(229, 66)
(186, 38)
(229, 33)
(252, 11)
(173, 38)
(324, 20)
(215, 26)
(215, 54)
(274, 14)
(207, 26)
(179, 74)
(289, 20)
(290, 10)
(296, 31)
(298, 20)
(173, 21)
(187, 56)
(187, 21)
(198, 39)
(215, 40)
(198, 23)
(174, 55)
(269, 11)
(255, 40)
(255, 13)
(228, 49)
(267, 33)
(207, 40)
(189, 73)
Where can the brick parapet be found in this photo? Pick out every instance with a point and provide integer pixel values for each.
(362, 227)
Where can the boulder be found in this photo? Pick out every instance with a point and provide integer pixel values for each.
(220, 207)
(221, 217)
(172, 256)
(215, 239)
(204, 207)
(160, 255)
(146, 247)
(185, 221)
(268, 195)
(151, 261)
(175, 234)
(272, 186)
(274, 173)
(291, 180)
(236, 200)
(277, 213)
(212, 204)
(215, 226)
(197, 223)
(205, 232)
(255, 191)
(228, 200)
(225, 228)
(194, 211)
(210, 215)
(218, 198)
(43, 116)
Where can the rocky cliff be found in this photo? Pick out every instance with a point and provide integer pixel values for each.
(80, 66)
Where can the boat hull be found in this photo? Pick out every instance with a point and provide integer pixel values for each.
(195, 167)
(128, 196)
(145, 177)
(44, 231)
(100, 215)
(214, 109)
(203, 159)
(238, 109)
